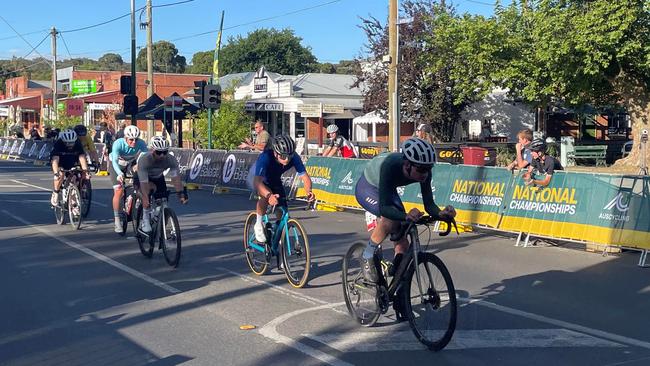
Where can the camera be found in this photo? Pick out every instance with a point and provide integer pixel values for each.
(644, 135)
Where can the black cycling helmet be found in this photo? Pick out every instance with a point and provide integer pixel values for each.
(81, 130)
(284, 145)
(538, 145)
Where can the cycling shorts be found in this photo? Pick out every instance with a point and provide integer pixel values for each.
(159, 183)
(368, 197)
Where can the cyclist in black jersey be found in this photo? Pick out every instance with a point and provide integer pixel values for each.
(542, 164)
(376, 192)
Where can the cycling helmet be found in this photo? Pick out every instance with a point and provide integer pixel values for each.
(158, 143)
(81, 130)
(538, 145)
(68, 136)
(332, 128)
(284, 145)
(418, 151)
(131, 132)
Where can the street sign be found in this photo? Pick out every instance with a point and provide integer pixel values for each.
(74, 107)
(84, 86)
(332, 108)
(173, 103)
(310, 110)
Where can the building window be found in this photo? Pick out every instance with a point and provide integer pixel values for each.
(300, 126)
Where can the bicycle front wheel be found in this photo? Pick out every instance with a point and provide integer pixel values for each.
(144, 242)
(255, 252)
(59, 211)
(430, 303)
(74, 207)
(295, 253)
(360, 296)
(170, 238)
(86, 196)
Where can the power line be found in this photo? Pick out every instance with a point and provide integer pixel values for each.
(38, 45)
(21, 36)
(258, 20)
(66, 46)
(25, 34)
(25, 68)
(479, 2)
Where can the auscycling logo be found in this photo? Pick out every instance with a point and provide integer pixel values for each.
(619, 205)
(346, 182)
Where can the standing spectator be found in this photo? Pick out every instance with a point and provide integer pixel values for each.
(423, 132)
(120, 133)
(33, 133)
(338, 145)
(542, 164)
(262, 140)
(18, 132)
(524, 156)
(104, 136)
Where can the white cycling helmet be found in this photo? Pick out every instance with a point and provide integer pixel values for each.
(131, 132)
(158, 143)
(332, 128)
(418, 151)
(68, 136)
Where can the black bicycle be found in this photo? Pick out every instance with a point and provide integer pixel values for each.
(70, 199)
(421, 289)
(86, 191)
(164, 228)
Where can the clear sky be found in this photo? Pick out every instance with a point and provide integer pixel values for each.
(329, 27)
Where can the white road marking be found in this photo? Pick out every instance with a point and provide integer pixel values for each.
(21, 193)
(269, 331)
(561, 323)
(49, 190)
(98, 256)
(377, 341)
(10, 186)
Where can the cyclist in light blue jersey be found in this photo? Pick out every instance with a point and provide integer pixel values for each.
(123, 156)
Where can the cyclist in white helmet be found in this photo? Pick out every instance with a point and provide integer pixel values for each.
(122, 158)
(376, 192)
(66, 153)
(338, 145)
(150, 177)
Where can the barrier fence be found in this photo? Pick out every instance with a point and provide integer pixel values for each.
(596, 208)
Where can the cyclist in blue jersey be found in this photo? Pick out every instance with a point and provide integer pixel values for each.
(268, 178)
(122, 157)
(376, 192)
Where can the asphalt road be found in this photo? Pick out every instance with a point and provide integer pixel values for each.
(89, 297)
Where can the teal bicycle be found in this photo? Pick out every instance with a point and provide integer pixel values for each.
(288, 244)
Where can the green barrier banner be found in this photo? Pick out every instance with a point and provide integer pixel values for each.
(334, 179)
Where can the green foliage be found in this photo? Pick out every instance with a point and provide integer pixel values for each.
(63, 121)
(505, 155)
(278, 51)
(111, 61)
(165, 58)
(230, 126)
(202, 62)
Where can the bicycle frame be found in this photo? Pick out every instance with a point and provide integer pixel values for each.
(276, 235)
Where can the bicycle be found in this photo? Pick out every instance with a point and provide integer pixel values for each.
(86, 191)
(167, 232)
(288, 243)
(70, 199)
(129, 201)
(421, 289)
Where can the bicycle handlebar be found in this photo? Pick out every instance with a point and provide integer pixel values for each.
(424, 220)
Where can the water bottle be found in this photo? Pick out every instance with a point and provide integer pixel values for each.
(64, 194)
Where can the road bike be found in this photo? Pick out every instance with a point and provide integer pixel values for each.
(86, 191)
(129, 204)
(165, 229)
(286, 241)
(70, 199)
(421, 289)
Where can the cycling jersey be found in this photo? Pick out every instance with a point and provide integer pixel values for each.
(150, 168)
(122, 154)
(271, 170)
(377, 191)
(346, 148)
(68, 158)
(548, 166)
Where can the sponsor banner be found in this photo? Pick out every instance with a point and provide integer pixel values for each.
(334, 179)
(15, 146)
(23, 151)
(206, 167)
(369, 151)
(184, 158)
(44, 152)
(453, 154)
(236, 168)
(32, 153)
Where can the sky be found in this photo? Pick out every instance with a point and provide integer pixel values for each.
(329, 27)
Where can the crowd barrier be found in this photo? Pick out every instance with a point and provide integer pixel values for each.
(587, 207)
(593, 208)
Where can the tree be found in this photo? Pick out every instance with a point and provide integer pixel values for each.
(165, 58)
(202, 62)
(111, 61)
(278, 51)
(229, 127)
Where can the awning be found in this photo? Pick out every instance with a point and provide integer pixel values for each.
(31, 102)
(108, 97)
(347, 114)
(143, 108)
(373, 117)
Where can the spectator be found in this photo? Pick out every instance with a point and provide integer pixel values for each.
(18, 132)
(120, 133)
(262, 140)
(103, 136)
(338, 145)
(33, 133)
(524, 156)
(49, 134)
(423, 132)
(542, 164)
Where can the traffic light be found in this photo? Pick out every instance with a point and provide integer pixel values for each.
(130, 104)
(125, 84)
(212, 96)
(198, 91)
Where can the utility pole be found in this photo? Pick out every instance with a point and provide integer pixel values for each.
(54, 108)
(150, 126)
(133, 74)
(393, 119)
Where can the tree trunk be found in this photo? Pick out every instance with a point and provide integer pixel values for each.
(636, 99)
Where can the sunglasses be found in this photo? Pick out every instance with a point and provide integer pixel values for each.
(283, 156)
(160, 153)
(130, 140)
(422, 169)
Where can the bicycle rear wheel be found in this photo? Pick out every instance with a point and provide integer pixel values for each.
(295, 253)
(144, 242)
(255, 257)
(59, 211)
(360, 296)
(86, 196)
(431, 311)
(170, 237)
(74, 207)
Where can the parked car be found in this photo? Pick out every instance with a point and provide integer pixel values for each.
(627, 148)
